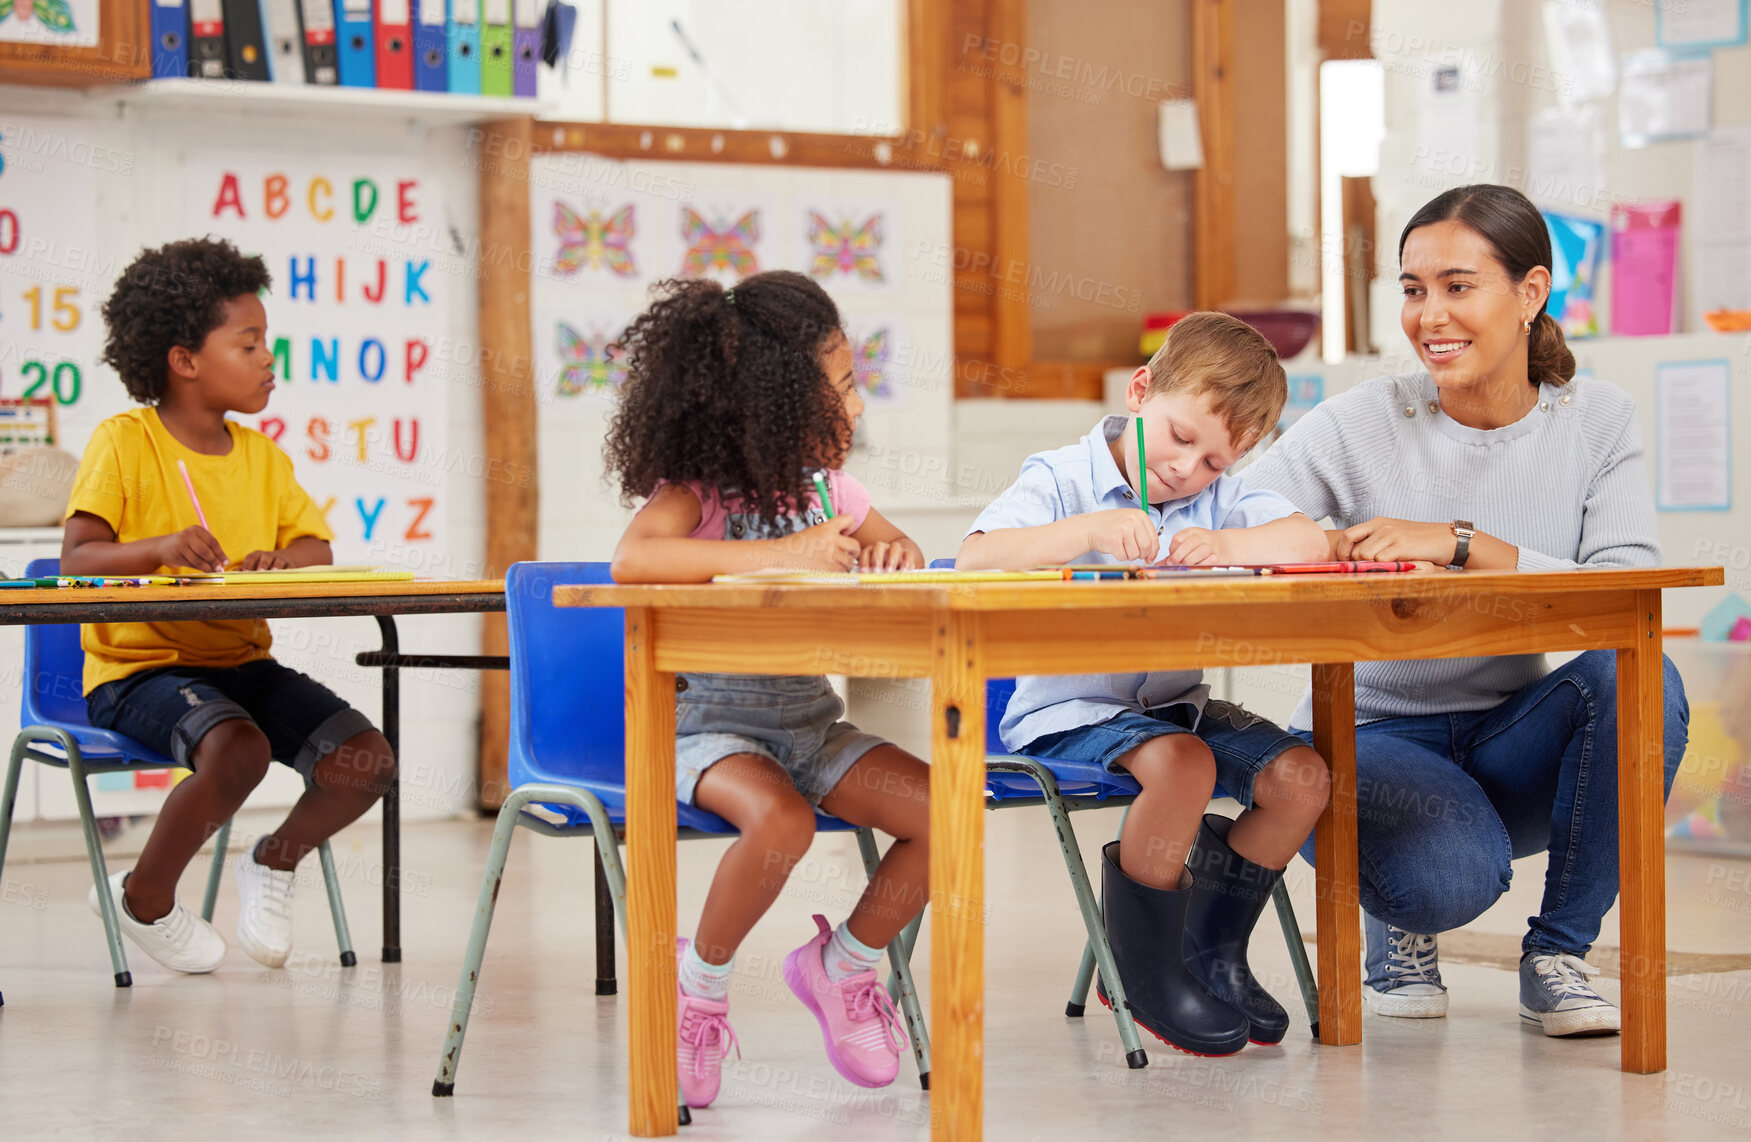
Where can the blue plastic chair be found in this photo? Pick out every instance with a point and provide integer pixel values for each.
(568, 758)
(1064, 787)
(54, 731)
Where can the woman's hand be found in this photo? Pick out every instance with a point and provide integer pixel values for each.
(1385, 538)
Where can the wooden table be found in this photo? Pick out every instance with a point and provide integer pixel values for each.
(382, 600)
(958, 635)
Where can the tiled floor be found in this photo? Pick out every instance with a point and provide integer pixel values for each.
(312, 1050)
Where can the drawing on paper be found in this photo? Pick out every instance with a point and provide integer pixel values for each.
(846, 249)
(590, 241)
(716, 247)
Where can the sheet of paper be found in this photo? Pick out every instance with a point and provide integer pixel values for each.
(1580, 51)
(1565, 158)
(1700, 24)
(1694, 436)
(1720, 199)
(1182, 141)
(1644, 267)
(1447, 140)
(1665, 96)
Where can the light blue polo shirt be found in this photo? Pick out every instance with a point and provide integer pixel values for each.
(1081, 478)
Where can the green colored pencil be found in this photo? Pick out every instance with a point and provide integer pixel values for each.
(826, 501)
(1142, 472)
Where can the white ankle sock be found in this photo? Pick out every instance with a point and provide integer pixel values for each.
(702, 980)
(846, 955)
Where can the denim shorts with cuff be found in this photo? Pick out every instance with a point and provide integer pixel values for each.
(1242, 743)
(172, 708)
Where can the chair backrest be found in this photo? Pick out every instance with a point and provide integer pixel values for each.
(998, 691)
(54, 667)
(568, 679)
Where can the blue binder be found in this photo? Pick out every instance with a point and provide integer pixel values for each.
(462, 34)
(356, 46)
(430, 46)
(169, 39)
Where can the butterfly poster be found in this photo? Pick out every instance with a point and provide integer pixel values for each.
(69, 22)
(846, 247)
(719, 246)
(879, 361)
(591, 241)
(590, 364)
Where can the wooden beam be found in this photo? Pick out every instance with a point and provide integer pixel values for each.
(1344, 29)
(1011, 309)
(1213, 43)
(507, 405)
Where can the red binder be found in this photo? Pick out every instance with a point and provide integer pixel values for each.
(394, 45)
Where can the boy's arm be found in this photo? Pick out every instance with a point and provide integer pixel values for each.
(656, 547)
(305, 551)
(1292, 539)
(89, 547)
(886, 547)
(1123, 533)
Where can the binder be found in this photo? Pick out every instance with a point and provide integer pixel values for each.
(285, 41)
(495, 48)
(246, 42)
(207, 45)
(169, 39)
(394, 46)
(355, 46)
(429, 49)
(525, 45)
(462, 38)
(320, 65)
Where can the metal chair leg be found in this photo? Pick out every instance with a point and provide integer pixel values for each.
(605, 981)
(900, 977)
(14, 765)
(1298, 954)
(1084, 980)
(215, 871)
(336, 906)
(112, 930)
(445, 1083)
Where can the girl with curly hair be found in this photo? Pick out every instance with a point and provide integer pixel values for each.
(736, 401)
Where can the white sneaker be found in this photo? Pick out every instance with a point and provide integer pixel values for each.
(1404, 973)
(179, 940)
(1555, 995)
(264, 914)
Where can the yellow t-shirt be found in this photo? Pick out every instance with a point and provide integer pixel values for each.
(129, 479)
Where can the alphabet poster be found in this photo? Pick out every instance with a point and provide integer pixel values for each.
(52, 278)
(356, 317)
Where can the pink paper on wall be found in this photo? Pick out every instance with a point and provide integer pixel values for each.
(1644, 267)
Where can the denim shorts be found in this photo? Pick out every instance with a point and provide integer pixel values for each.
(1242, 743)
(171, 709)
(794, 721)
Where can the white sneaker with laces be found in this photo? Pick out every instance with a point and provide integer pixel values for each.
(264, 914)
(1555, 995)
(178, 940)
(1404, 973)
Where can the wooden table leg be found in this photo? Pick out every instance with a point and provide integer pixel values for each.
(650, 889)
(1336, 885)
(1641, 860)
(957, 879)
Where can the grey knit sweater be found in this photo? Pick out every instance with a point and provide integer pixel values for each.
(1566, 484)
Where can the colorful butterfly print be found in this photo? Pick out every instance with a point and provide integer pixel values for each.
(845, 249)
(869, 366)
(715, 249)
(587, 365)
(56, 15)
(590, 242)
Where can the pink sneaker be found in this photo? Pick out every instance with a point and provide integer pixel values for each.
(862, 1031)
(705, 1033)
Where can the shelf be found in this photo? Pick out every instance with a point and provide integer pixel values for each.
(302, 101)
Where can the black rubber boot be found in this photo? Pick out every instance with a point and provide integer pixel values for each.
(1146, 927)
(1228, 893)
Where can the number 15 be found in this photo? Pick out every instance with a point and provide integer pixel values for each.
(66, 317)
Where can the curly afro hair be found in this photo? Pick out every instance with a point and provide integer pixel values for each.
(727, 388)
(174, 295)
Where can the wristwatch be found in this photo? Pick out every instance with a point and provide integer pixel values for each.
(1462, 534)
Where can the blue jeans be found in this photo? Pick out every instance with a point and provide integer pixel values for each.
(1445, 801)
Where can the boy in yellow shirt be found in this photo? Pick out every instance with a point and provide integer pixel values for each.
(188, 334)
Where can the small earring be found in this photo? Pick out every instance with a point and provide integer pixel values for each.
(1528, 328)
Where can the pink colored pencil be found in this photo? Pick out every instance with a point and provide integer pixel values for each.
(188, 482)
